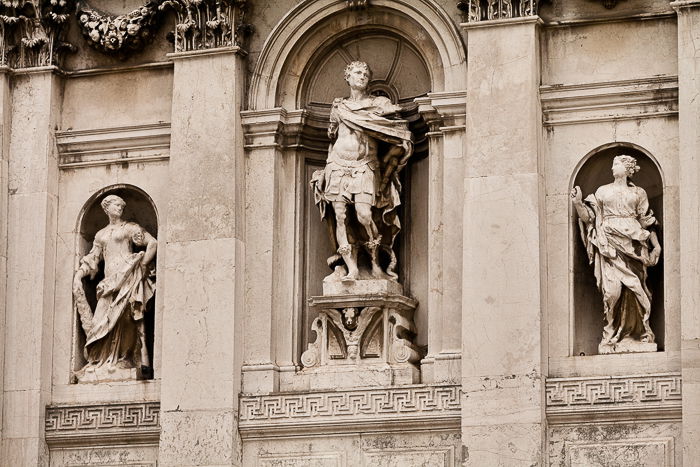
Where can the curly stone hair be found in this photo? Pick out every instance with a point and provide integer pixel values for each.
(354, 65)
(109, 199)
(630, 164)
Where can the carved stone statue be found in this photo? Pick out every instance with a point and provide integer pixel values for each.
(617, 230)
(115, 345)
(358, 192)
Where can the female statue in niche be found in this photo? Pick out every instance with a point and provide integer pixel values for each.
(617, 230)
(115, 347)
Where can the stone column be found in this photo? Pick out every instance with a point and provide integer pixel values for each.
(502, 364)
(445, 114)
(203, 255)
(4, 187)
(31, 248)
(689, 153)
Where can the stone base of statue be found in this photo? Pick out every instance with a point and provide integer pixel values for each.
(627, 345)
(362, 339)
(106, 373)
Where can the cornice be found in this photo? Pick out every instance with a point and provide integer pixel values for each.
(536, 20)
(102, 424)
(408, 408)
(609, 101)
(104, 146)
(684, 4)
(580, 400)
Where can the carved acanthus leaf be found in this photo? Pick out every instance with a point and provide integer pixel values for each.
(483, 10)
(119, 35)
(32, 32)
(208, 24)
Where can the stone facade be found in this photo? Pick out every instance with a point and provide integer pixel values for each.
(473, 338)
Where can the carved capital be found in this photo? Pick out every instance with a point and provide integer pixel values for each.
(32, 32)
(119, 35)
(208, 24)
(487, 10)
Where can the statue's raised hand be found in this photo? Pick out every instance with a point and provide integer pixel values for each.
(576, 196)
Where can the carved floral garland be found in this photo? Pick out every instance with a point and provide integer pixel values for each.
(119, 35)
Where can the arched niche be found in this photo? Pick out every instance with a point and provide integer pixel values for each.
(140, 209)
(587, 301)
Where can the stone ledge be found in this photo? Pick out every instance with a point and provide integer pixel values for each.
(102, 424)
(415, 407)
(655, 397)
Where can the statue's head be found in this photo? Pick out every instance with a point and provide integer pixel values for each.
(624, 165)
(113, 204)
(358, 74)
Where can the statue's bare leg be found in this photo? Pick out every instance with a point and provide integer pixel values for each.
(364, 215)
(344, 247)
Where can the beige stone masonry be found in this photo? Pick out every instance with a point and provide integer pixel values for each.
(203, 255)
(689, 147)
(502, 368)
(31, 248)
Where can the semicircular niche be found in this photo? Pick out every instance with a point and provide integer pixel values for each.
(398, 71)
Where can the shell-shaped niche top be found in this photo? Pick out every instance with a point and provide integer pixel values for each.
(398, 71)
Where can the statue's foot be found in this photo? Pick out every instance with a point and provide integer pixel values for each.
(350, 277)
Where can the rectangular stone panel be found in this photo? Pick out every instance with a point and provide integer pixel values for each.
(321, 459)
(622, 453)
(414, 457)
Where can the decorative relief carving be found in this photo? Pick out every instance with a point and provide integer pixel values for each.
(102, 423)
(119, 35)
(336, 411)
(483, 10)
(207, 24)
(626, 393)
(416, 400)
(99, 417)
(32, 32)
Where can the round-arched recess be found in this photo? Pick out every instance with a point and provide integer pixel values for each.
(587, 301)
(312, 25)
(140, 209)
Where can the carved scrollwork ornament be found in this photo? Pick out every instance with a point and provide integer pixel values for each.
(119, 35)
(32, 32)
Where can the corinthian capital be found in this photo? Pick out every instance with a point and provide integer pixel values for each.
(208, 24)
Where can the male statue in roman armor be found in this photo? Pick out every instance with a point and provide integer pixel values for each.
(358, 192)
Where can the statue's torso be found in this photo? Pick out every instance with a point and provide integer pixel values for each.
(116, 245)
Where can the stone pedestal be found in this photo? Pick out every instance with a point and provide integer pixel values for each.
(362, 339)
(627, 346)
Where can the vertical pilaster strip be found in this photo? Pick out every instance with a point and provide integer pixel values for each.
(31, 250)
(203, 255)
(502, 364)
(5, 120)
(689, 148)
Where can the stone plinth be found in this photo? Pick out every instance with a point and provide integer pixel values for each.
(362, 340)
(627, 346)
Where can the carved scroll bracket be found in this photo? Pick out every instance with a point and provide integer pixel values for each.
(362, 338)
